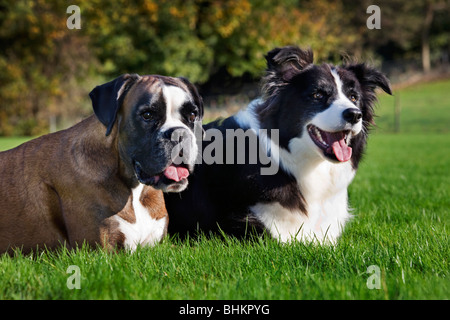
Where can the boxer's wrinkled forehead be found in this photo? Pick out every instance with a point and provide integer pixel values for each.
(170, 101)
(151, 89)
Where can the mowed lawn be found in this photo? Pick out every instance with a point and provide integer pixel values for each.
(396, 247)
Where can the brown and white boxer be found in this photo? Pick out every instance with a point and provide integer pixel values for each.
(82, 185)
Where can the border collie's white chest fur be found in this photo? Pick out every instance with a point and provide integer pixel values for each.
(324, 188)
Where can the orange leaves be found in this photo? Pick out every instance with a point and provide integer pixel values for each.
(228, 16)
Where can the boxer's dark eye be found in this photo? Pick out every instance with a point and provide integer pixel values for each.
(146, 116)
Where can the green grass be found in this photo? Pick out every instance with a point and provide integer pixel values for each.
(424, 108)
(401, 225)
(11, 142)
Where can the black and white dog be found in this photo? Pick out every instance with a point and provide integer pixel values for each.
(320, 115)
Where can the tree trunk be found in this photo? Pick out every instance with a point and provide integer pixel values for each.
(426, 64)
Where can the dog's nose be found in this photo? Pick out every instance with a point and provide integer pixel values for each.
(352, 115)
(179, 136)
(175, 133)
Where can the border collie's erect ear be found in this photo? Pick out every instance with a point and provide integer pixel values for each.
(282, 65)
(370, 78)
(288, 61)
(107, 99)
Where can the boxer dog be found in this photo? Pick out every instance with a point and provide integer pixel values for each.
(101, 181)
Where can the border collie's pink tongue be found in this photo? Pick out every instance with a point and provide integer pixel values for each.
(176, 173)
(338, 146)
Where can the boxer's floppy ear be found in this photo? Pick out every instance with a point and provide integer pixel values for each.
(107, 99)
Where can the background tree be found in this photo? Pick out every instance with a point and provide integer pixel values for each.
(48, 70)
(41, 61)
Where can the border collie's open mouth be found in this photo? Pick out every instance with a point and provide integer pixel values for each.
(333, 144)
(172, 174)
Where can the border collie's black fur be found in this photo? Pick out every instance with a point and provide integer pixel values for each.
(322, 114)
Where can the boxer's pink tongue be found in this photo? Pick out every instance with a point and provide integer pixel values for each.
(176, 173)
(338, 146)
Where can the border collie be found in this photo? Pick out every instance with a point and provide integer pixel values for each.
(321, 114)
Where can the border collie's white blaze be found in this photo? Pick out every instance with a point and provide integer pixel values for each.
(322, 114)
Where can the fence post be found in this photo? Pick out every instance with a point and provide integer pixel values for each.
(397, 112)
(52, 123)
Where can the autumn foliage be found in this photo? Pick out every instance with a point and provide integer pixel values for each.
(47, 69)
